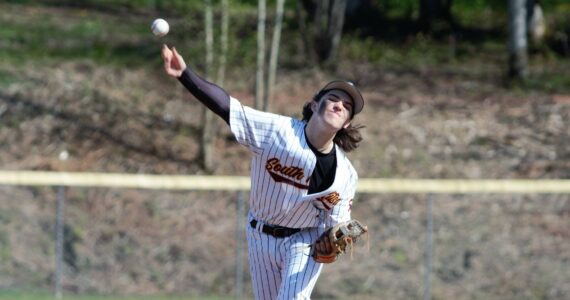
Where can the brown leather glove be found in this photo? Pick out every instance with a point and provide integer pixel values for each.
(336, 240)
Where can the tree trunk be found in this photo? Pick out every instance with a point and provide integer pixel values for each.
(306, 32)
(209, 35)
(432, 10)
(274, 52)
(428, 13)
(322, 42)
(223, 44)
(518, 57)
(328, 22)
(208, 131)
(336, 22)
(536, 24)
(260, 74)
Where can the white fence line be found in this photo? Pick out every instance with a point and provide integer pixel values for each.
(237, 183)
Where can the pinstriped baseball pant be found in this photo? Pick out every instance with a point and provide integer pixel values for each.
(282, 268)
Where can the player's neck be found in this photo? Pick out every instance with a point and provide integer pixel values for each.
(322, 140)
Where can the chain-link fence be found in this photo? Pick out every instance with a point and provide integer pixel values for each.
(125, 241)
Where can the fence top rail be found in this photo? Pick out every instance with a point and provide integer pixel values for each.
(236, 183)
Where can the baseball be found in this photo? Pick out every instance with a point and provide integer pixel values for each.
(159, 27)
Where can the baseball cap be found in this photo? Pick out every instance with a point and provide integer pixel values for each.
(349, 88)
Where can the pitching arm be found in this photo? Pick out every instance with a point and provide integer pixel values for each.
(211, 95)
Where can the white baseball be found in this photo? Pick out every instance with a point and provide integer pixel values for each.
(159, 27)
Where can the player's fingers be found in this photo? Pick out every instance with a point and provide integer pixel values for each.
(171, 66)
(323, 245)
(176, 52)
(173, 59)
(179, 60)
(167, 66)
(327, 244)
(319, 246)
(166, 56)
(164, 49)
(166, 53)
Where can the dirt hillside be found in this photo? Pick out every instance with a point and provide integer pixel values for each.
(421, 122)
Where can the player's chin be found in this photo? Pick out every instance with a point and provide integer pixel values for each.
(340, 119)
(338, 123)
(335, 121)
(336, 127)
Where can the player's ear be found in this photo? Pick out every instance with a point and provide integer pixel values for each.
(314, 106)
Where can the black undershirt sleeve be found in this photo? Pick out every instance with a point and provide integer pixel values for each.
(212, 96)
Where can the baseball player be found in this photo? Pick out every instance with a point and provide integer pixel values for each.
(301, 180)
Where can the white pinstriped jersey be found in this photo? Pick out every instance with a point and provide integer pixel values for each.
(281, 168)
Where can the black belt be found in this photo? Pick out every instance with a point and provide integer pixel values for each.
(276, 231)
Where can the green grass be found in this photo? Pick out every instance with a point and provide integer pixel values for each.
(548, 82)
(547, 70)
(80, 34)
(7, 78)
(49, 37)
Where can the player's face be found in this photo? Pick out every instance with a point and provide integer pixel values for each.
(335, 109)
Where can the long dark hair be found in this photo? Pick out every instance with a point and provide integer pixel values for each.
(348, 138)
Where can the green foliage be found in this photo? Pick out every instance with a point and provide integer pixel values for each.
(549, 82)
(124, 39)
(556, 5)
(400, 8)
(7, 78)
(152, 208)
(5, 251)
(423, 52)
(180, 6)
(470, 13)
(420, 51)
(116, 39)
(399, 255)
(157, 277)
(177, 7)
(83, 35)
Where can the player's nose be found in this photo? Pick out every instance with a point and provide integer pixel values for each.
(338, 106)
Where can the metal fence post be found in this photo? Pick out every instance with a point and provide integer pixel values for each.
(428, 248)
(239, 244)
(60, 205)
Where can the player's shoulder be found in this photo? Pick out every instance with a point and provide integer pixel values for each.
(237, 106)
(289, 124)
(347, 163)
(296, 123)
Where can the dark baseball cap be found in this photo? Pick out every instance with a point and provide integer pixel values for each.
(349, 88)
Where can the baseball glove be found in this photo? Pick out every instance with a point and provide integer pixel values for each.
(340, 238)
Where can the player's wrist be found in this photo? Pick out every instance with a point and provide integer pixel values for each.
(183, 74)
